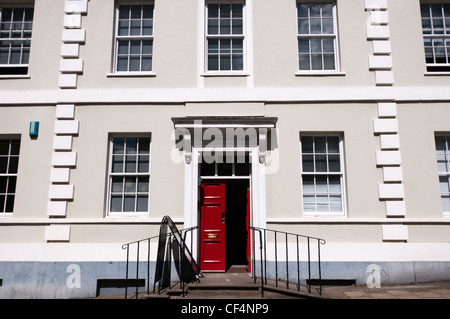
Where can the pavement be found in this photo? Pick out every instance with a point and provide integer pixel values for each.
(242, 286)
(431, 290)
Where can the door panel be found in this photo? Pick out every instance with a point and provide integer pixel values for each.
(212, 229)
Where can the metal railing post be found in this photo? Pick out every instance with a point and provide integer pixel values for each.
(126, 275)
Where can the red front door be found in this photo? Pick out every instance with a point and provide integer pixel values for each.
(212, 229)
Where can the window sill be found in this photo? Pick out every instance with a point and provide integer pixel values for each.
(437, 73)
(130, 74)
(319, 73)
(14, 76)
(225, 74)
(127, 215)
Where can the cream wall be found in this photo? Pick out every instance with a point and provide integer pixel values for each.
(174, 47)
(90, 175)
(276, 49)
(407, 46)
(418, 124)
(45, 47)
(361, 174)
(34, 159)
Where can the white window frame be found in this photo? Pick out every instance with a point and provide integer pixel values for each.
(433, 35)
(341, 174)
(446, 173)
(245, 36)
(8, 175)
(118, 37)
(21, 39)
(310, 36)
(124, 174)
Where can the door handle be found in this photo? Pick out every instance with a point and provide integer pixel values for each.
(223, 217)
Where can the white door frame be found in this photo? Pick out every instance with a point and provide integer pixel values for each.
(257, 190)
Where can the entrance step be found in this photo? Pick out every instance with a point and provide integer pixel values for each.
(231, 286)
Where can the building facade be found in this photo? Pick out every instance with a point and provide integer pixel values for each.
(330, 117)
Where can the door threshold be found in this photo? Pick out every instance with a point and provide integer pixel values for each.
(237, 269)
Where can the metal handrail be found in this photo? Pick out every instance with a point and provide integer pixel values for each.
(148, 240)
(263, 256)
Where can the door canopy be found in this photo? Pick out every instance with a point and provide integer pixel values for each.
(224, 132)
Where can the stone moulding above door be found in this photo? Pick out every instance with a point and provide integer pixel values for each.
(248, 130)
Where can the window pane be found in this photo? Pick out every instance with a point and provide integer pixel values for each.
(446, 203)
(237, 26)
(135, 27)
(13, 164)
(307, 144)
(130, 164)
(328, 27)
(335, 203)
(316, 62)
(314, 10)
(316, 27)
(3, 184)
(309, 204)
(213, 62)
(320, 143)
(147, 12)
(213, 26)
(131, 145)
(308, 184)
(142, 203)
(3, 164)
(9, 205)
(442, 163)
(425, 10)
(329, 62)
(129, 204)
(11, 184)
(143, 185)
(116, 203)
(302, 10)
(124, 27)
(122, 63)
(130, 184)
(321, 184)
(238, 62)
(334, 163)
(124, 12)
(303, 26)
(440, 144)
(321, 163)
(146, 63)
(117, 184)
(327, 10)
(225, 26)
(443, 183)
(213, 10)
(136, 12)
(334, 184)
(4, 147)
(322, 203)
(147, 27)
(143, 165)
(304, 62)
(308, 163)
(303, 45)
(225, 62)
(237, 10)
(117, 164)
